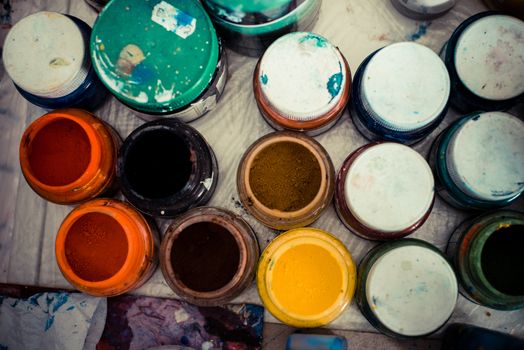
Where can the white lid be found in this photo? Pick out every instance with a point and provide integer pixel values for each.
(44, 54)
(427, 7)
(302, 76)
(489, 57)
(412, 290)
(485, 157)
(406, 86)
(389, 187)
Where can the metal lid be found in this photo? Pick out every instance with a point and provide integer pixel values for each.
(44, 54)
(489, 57)
(389, 187)
(156, 56)
(302, 76)
(405, 86)
(485, 156)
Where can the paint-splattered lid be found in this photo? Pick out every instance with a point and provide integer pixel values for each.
(237, 10)
(302, 76)
(154, 55)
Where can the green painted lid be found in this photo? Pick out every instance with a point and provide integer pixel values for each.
(155, 55)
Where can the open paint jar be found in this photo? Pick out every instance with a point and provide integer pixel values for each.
(423, 9)
(46, 54)
(160, 58)
(384, 191)
(105, 248)
(487, 255)
(68, 156)
(209, 256)
(310, 96)
(484, 59)
(166, 167)
(249, 27)
(285, 180)
(391, 102)
(406, 288)
(306, 277)
(479, 161)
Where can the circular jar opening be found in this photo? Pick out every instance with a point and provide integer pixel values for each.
(158, 164)
(96, 247)
(59, 153)
(502, 260)
(205, 256)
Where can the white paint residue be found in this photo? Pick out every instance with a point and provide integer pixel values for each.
(490, 57)
(207, 183)
(173, 20)
(389, 187)
(412, 290)
(141, 98)
(181, 316)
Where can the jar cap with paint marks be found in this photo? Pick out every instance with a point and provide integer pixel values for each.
(400, 93)
(485, 59)
(423, 9)
(384, 191)
(157, 57)
(479, 161)
(310, 96)
(46, 56)
(406, 288)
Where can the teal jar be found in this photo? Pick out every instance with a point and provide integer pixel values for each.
(160, 58)
(250, 26)
(487, 255)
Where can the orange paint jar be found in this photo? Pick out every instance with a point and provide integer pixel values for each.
(69, 155)
(105, 248)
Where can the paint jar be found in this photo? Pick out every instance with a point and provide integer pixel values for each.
(209, 256)
(510, 7)
(406, 288)
(308, 97)
(168, 62)
(483, 56)
(249, 27)
(469, 337)
(487, 254)
(68, 156)
(46, 54)
(97, 4)
(105, 248)
(391, 102)
(306, 277)
(478, 161)
(423, 9)
(384, 191)
(166, 167)
(286, 180)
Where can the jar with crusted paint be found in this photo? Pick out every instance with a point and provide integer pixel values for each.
(309, 97)
(423, 9)
(161, 58)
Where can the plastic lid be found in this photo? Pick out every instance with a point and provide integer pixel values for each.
(44, 54)
(485, 156)
(405, 86)
(156, 56)
(389, 187)
(426, 7)
(489, 57)
(302, 76)
(412, 290)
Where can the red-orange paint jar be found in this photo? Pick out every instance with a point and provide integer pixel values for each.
(105, 247)
(69, 155)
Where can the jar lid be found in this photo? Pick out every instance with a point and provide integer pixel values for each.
(389, 187)
(44, 54)
(394, 92)
(485, 156)
(237, 10)
(302, 75)
(411, 289)
(163, 60)
(488, 57)
(425, 8)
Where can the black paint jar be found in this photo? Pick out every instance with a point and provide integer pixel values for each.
(166, 167)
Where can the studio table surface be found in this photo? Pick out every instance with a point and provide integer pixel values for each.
(28, 224)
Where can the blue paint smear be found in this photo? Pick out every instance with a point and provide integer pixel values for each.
(183, 19)
(319, 41)
(34, 299)
(422, 288)
(49, 322)
(264, 79)
(422, 30)
(334, 84)
(142, 74)
(61, 299)
(70, 308)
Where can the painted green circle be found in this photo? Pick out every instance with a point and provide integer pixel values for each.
(155, 55)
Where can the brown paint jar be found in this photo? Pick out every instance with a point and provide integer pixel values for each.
(68, 156)
(105, 248)
(286, 180)
(208, 256)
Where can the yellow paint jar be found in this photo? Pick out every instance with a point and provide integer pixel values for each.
(306, 277)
